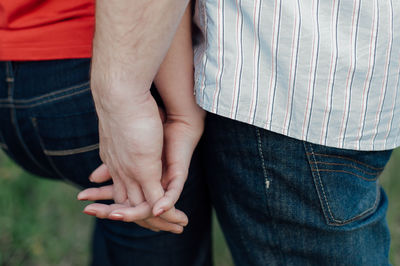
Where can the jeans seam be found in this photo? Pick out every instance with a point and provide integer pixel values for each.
(71, 151)
(351, 166)
(62, 91)
(13, 118)
(350, 159)
(322, 188)
(58, 172)
(23, 144)
(336, 222)
(9, 79)
(19, 106)
(364, 212)
(259, 144)
(346, 172)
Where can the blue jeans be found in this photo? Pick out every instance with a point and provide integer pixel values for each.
(48, 125)
(280, 201)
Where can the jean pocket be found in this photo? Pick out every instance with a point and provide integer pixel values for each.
(68, 134)
(346, 181)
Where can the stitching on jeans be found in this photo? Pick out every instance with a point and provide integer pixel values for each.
(16, 125)
(10, 105)
(71, 151)
(35, 126)
(267, 181)
(347, 172)
(339, 222)
(364, 212)
(10, 79)
(24, 145)
(322, 188)
(350, 159)
(47, 94)
(352, 166)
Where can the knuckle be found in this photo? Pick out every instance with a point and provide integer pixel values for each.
(102, 214)
(131, 217)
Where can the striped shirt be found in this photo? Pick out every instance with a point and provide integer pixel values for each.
(323, 71)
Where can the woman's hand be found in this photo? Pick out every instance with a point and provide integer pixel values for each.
(181, 135)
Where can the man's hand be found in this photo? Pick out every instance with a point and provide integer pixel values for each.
(131, 140)
(140, 214)
(130, 42)
(131, 143)
(181, 135)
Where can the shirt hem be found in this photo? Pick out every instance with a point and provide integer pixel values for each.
(349, 145)
(44, 53)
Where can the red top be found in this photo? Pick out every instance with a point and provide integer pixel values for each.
(46, 29)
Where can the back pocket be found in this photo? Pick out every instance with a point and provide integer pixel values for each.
(68, 134)
(346, 181)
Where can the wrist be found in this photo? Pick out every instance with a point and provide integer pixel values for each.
(128, 105)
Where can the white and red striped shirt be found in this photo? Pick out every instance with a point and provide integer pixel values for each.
(324, 71)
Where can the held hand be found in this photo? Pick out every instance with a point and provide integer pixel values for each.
(131, 139)
(181, 134)
(140, 214)
(128, 47)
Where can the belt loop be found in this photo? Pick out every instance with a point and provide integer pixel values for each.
(9, 72)
(9, 77)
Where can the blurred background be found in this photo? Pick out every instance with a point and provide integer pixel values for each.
(41, 223)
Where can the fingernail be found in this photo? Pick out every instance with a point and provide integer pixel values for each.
(91, 179)
(82, 197)
(116, 216)
(159, 212)
(183, 224)
(90, 212)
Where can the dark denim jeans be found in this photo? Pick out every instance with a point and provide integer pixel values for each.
(280, 201)
(48, 125)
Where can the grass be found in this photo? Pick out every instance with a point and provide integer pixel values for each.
(390, 180)
(41, 222)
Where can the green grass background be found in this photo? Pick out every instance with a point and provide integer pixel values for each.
(41, 222)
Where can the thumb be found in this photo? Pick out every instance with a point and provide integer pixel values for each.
(178, 151)
(175, 186)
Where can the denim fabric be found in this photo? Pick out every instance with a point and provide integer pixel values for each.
(48, 125)
(282, 201)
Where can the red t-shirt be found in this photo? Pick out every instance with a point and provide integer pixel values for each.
(46, 29)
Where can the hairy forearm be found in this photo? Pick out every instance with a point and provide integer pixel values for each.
(131, 40)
